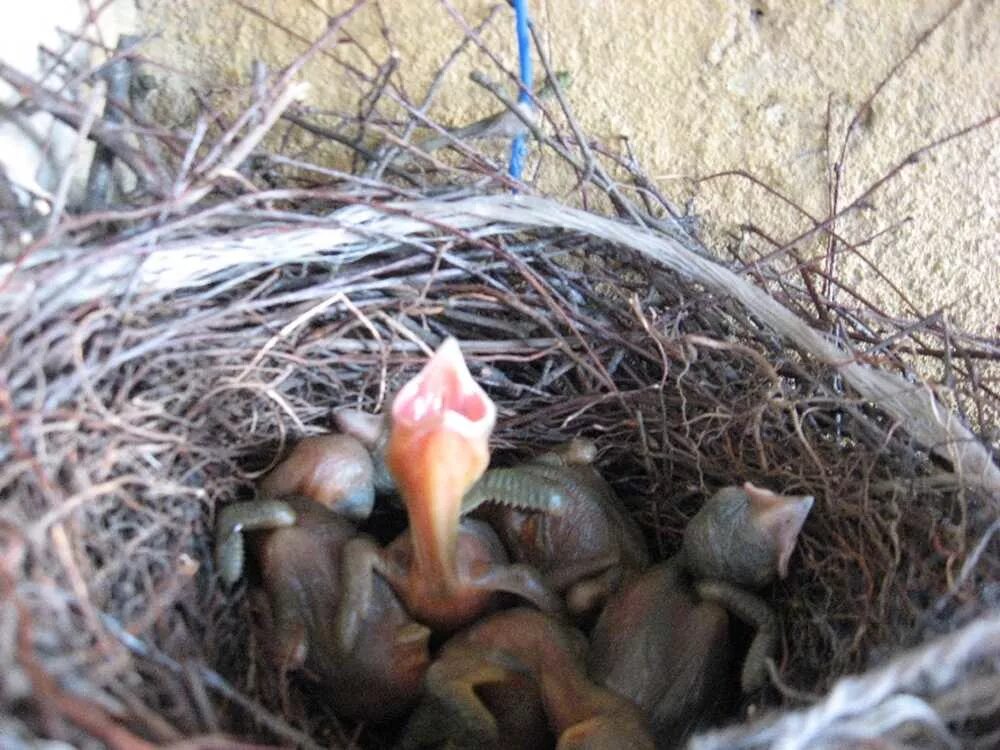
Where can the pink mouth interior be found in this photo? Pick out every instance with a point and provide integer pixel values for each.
(442, 387)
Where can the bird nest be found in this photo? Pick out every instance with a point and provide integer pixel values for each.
(159, 354)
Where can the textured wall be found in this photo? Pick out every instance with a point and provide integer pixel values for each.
(708, 86)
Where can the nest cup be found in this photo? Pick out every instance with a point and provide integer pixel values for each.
(156, 363)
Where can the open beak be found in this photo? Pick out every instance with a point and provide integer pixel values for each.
(438, 448)
(779, 517)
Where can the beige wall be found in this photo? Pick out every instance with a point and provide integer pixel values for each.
(701, 87)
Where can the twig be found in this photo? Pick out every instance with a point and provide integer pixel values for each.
(351, 143)
(211, 678)
(591, 164)
(388, 155)
(118, 75)
(106, 134)
(62, 191)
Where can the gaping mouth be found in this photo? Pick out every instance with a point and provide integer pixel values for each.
(438, 447)
(444, 395)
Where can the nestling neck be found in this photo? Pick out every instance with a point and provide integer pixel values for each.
(434, 536)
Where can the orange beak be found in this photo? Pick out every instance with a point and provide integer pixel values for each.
(779, 517)
(438, 448)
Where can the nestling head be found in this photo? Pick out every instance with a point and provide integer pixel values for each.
(439, 444)
(745, 535)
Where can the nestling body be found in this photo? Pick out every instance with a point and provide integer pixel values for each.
(668, 651)
(663, 640)
(482, 574)
(557, 514)
(516, 680)
(379, 676)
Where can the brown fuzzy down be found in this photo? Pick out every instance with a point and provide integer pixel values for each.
(157, 357)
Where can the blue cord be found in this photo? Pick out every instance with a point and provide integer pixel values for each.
(519, 148)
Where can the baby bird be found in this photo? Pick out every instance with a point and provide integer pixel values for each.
(297, 547)
(446, 573)
(334, 470)
(516, 680)
(663, 640)
(557, 514)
